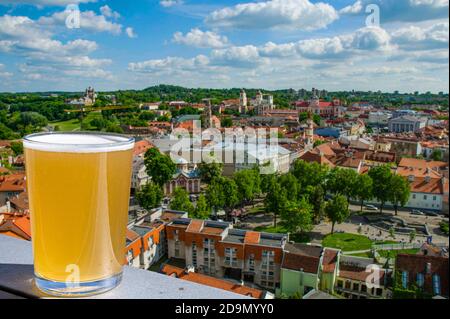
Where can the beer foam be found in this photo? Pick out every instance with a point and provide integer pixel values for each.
(77, 143)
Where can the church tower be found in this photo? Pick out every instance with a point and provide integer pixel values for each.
(309, 133)
(243, 102)
(208, 114)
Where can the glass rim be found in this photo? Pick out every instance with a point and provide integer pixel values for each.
(113, 144)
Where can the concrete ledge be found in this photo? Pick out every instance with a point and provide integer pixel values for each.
(16, 279)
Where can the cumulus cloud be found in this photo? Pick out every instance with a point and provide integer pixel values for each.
(243, 56)
(108, 12)
(170, 3)
(47, 2)
(273, 14)
(402, 10)
(4, 74)
(201, 39)
(417, 38)
(130, 33)
(170, 64)
(25, 37)
(89, 21)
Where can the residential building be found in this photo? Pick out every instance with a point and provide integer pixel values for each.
(139, 175)
(427, 273)
(216, 249)
(15, 225)
(356, 279)
(406, 123)
(299, 270)
(11, 186)
(325, 109)
(188, 180)
(190, 275)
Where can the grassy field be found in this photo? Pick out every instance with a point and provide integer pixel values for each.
(74, 124)
(67, 126)
(347, 242)
(394, 253)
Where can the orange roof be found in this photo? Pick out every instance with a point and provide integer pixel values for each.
(12, 183)
(252, 237)
(195, 226)
(418, 172)
(20, 226)
(211, 281)
(420, 163)
(329, 260)
(421, 185)
(141, 147)
(313, 157)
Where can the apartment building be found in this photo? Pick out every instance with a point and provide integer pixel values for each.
(216, 249)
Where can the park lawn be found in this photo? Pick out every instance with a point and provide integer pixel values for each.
(67, 126)
(394, 253)
(347, 242)
(298, 238)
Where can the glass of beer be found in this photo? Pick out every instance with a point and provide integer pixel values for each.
(78, 188)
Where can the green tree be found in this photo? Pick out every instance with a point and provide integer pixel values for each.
(209, 171)
(337, 210)
(437, 155)
(309, 174)
(381, 178)
(290, 186)
(160, 167)
(412, 235)
(222, 193)
(276, 200)
(297, 216)
(248, 183)
(343, 181)
(317, 200)
(202, 210)
(399, 191)
(180, 201)
(17, 148)
(150, 196)
(364, 189)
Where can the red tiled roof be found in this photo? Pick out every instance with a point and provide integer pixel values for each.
(12, 183)
(298, 262)
(329, 260)
(20, 226)
(357, 273)
(211, 281)
(252, 237)
(195, 226)
(141, 147)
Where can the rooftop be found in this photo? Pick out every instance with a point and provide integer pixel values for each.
(16, 280)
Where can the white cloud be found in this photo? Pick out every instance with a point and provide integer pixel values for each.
(402, 10)
(4, 74)
(417, 38)
(201, 39)
(273, 14)
(25, 37)
(170, 64)
(47, 2)
(244, 56)
(89, 21)
(109, 13)
(130, 33)
(170, 3)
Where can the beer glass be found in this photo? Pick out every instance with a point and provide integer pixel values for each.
(78, 187)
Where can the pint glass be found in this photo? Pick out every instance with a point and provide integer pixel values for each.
(78, 187)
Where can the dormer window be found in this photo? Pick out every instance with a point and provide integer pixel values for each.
(411, 178)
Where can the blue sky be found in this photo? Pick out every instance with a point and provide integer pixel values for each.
(204, 43)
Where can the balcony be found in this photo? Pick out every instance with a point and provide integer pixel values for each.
(16, 280)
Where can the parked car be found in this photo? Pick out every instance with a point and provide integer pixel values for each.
(371, 207)
(417, 212)
(432, 214)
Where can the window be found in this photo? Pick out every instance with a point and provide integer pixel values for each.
(405, 279)
(363, 288)
(251, 263)
(348, 285)
(356, 287)
(379, 292)
(340, 284)
(420, 280)
(436, 284)
(414, 196)
(434, 198)
(425, 197)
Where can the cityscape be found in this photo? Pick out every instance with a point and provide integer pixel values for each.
(269, 188)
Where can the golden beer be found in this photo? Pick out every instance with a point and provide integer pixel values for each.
(78, 188)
